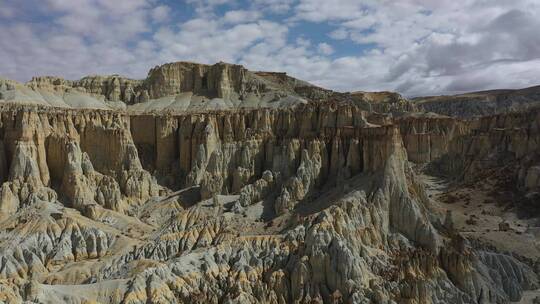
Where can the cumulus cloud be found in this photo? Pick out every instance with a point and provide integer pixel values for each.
(161, 13)
(73, 38)
(6, 12)
(325, 48)
(209, 40)
(428, 47)
(240, 16)
(322, 10)
(413, 46)
(339, 34)
(274, 6)
(206, 7)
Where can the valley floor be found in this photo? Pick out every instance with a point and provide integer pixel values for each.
(483, 212)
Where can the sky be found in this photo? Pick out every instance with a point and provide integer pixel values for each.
(415, 47)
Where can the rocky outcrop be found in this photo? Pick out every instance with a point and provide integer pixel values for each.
(481, 103)
(87, 157)
(318, 201)
(488, 142)
(467, 147)
(532, 177)
(231, 149)
(337, 186)
(222, 80)
(428, 138)
(384, 102)
(114, 88)
(111, 88)
(177, 86)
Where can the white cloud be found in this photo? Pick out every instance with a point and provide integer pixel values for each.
(429, 47)
(209, 41)
(206, 7)
(274, 6)
(161, 13)
(241, 16)
(417, 46)
(323, 10)
(325, 48)
(339, 34)
(303, 42)
(6, 11)
(80, 37)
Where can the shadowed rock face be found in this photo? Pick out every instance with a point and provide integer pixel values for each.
(464, 148)
(481, 103)
(320, 202)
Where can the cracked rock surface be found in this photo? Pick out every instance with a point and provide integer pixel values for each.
(338, 198)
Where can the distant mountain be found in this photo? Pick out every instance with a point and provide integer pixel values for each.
(178, 86)
(480, 103)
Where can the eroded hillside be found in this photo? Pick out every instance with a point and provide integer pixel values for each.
(340, 198)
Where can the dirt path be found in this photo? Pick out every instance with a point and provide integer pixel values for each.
(479, 212)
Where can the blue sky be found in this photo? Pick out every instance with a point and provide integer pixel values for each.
(415, 47)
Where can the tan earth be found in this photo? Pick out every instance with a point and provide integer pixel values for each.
(215, 184)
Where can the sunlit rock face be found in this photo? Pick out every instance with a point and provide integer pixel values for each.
(177, 86)
(319, 198)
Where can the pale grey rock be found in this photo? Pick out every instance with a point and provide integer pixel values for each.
(111, 207)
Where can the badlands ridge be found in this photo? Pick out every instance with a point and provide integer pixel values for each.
(215, 184)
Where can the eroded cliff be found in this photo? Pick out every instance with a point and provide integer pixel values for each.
(315, 203)
(177, 86)
(216, 184)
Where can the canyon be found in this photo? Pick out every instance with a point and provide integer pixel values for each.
(216, 184)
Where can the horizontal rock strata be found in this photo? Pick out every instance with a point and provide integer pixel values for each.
(316, 203)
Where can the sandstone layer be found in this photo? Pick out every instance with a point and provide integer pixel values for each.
(324, 198)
